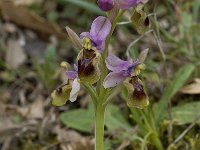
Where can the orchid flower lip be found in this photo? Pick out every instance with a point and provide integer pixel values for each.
(88, 71)
(137, 96)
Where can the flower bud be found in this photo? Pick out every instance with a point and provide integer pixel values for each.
(106, 5)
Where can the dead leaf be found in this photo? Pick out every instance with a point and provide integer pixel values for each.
(9, 127)
(9, 27)
(197, 80)
(73, 140)
(193, 88)
(15, 55)
(34, 111)
(26, 2)
(23, 17)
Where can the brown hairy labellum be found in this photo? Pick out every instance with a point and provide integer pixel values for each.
(85, 66)
(137, 96)
(88, 71)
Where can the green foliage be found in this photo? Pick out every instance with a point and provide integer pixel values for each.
(196, 9)
(47, 70)
(186, 113)
(85, 5)
(187, 40)
(52, 16)
(83, 119)
(133, 52)
(147, 121)
(8, 76)
(79, 119)
(115, 119)
(179, 79)
(2, 64)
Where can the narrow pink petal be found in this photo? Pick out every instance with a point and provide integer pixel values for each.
(75, 89)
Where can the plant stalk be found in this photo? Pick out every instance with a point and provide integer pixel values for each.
(99, 126)
(100, 104)
(157, 142)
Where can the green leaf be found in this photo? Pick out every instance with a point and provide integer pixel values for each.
(52, 16)
(79, 119)
(186, 113)
(196, 8)
(83, 119)
(133, 53)
(50, 59)
(186, 19)
(85, 5)
(179, 79)
(49, 68)
(115, 119)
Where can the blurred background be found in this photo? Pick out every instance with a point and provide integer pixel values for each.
(33, 42)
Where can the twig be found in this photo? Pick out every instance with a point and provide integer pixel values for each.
(187, 129)
(135, 41)
(124, 145)
(139, 38)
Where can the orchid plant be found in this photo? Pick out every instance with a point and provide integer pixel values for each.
(100, 72)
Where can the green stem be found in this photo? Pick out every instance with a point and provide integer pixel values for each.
(104, 70)
(114, 24)
(152, 129)
(92, 92)
(102, 94)
(156, 140)
(99, 127)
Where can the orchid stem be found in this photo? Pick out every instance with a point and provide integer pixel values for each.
(99, 127)
(102, 93)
